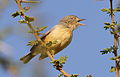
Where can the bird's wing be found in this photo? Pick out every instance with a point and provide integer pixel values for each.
(45, 35)
(36, 46)
(48, 32)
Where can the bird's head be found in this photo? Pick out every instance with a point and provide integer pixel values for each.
(71, 21)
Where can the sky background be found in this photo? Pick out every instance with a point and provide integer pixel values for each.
(83, 53)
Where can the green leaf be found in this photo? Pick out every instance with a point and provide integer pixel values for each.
(54, 42)
(74, 75)
(106, 10)
(89, 76)
(60, 75)
(107, 27)
(50, 43)
(29, 19)
(107, 50)
(30, 31)
(42, 28)
(117, 58)
(61, 60)
(22, 21)
(26, 9)
(116, 9)
(32, 43)
(36, 27)
(107, 23)
(16, 14)
(112, 69)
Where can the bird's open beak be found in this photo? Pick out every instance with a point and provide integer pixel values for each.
(81, 23)
(81, 20)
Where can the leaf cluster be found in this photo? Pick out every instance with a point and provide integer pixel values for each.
(61, 60)
(108, 50)
(113, 69)
(89, 76)
(29, 19)
(117, 58)
(32, 42)
(21, 13)
(75, 75)
(108, 11)
(50, 43)
(58, 63)
(25, 20)
(110, 26)
(60, 75)
(16, 14)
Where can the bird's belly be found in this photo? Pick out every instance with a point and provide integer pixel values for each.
(63, 38)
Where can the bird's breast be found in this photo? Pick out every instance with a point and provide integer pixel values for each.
(63, 36)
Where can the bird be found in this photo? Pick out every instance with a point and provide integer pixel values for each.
(62, 33)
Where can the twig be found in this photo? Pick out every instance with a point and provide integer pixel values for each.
(115, 38)
(30, 1)
(37, 36)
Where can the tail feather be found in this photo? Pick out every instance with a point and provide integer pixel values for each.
(25, 59)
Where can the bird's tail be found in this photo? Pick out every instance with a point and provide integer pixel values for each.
(25, 59)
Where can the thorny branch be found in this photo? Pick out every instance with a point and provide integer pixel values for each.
(115, 38)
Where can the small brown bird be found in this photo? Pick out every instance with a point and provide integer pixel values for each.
(62, 33)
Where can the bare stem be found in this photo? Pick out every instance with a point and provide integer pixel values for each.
(37, 35)
(115, 38)
(30, 1)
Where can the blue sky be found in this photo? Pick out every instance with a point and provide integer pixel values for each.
(83, 53)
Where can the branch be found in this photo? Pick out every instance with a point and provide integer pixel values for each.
(30, 1)
(36, 34)
(111, 11)
(115, 38)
